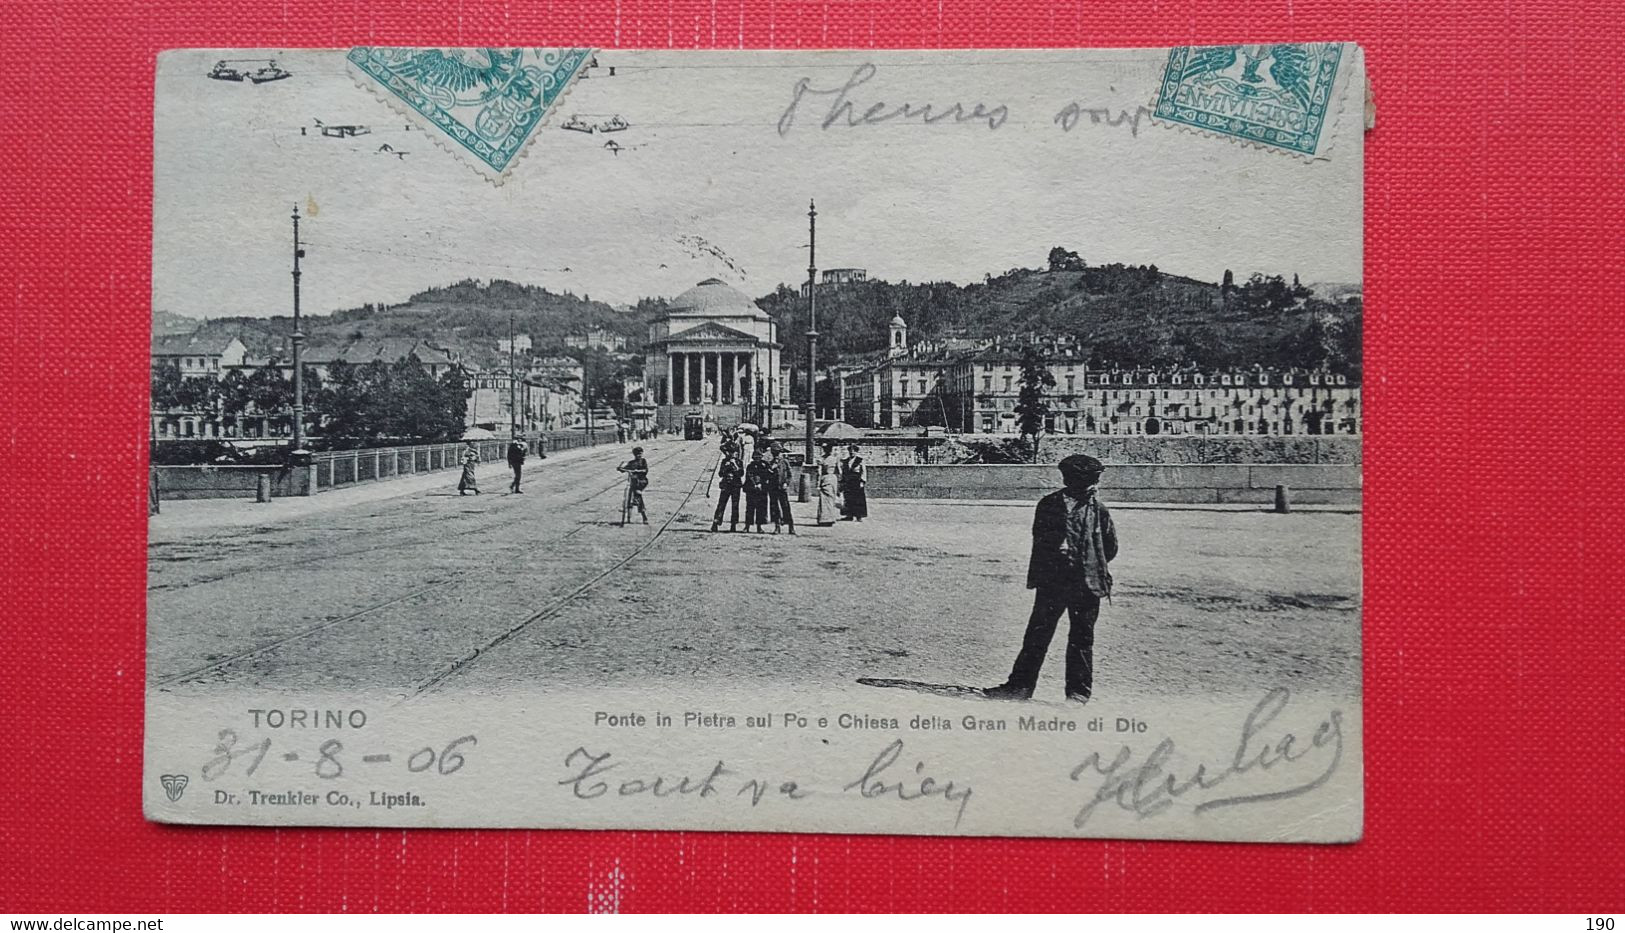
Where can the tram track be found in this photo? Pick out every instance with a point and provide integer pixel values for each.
(425, 685)
(463, 576)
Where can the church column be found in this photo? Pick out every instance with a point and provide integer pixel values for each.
(671, 379)
(693, 388)
(725, 372)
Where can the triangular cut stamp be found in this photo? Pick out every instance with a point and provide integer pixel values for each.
(484, 105)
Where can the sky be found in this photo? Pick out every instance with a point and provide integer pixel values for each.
(709, 162)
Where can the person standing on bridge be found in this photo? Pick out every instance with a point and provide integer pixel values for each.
(1073, 541)
(730, 476)
(471, 456)
(829, 467)
(778, 495)
(759, 479)
(637, 470)
(517, 451)
(854, 477)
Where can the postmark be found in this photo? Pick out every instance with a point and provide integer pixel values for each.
(484, 105)
(1276, 96)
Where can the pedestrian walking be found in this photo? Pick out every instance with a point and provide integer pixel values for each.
(637, 470)
(471, 456)
(854, 477)
(778, 495)
(1073, 541)
(759, 477)
(517, 451)
(730, 477)
(828, 487)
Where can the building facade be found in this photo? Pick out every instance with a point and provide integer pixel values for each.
(497, 402)
(977, 391)
(713, 349)
(1253, 401)
(198, 355)
(597, 339)
(838, 278)
(435, 360)
(980, 391)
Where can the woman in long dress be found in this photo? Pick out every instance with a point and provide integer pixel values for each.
(471, 456)
(829, 468)
(854, 500)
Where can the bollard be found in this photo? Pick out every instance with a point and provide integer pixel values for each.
(802, 490)
(1283, 498)
(262, 487)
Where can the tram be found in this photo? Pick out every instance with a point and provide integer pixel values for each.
(694, 427)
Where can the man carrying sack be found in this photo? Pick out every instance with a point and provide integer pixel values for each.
(1073, 541)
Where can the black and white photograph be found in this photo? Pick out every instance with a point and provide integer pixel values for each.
(961, 443)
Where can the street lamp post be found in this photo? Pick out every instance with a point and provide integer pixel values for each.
(298, 342)
(812, 323)
(513, 384)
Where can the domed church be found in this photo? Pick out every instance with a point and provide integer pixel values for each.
(714, 351)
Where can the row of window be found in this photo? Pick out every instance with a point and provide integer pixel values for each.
(991, 425)
(199, 362)
(1240, 379)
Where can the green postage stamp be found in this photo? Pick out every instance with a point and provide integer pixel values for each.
(1278, 96)
(489, 102)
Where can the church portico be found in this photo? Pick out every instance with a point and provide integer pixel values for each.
(709, 377)
(715, 351)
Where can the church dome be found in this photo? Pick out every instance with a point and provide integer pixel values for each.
(715, 298)
(897, 321)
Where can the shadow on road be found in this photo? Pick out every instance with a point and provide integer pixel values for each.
(941, 690)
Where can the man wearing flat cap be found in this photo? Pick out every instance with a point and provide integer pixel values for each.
(1073, 541)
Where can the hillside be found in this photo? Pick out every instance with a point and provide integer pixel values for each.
(470, 316)
(1127, 315)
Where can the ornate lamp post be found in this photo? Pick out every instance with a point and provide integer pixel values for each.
(812, 325)
(298, 343)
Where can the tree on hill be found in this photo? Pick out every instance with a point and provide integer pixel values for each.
(1032, 405)
(1062, 259)
(1269, 294)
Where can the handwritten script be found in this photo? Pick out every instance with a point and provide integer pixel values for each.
(881, 779)
(843, 109)
(1152, 785)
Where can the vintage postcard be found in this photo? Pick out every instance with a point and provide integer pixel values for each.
(846, 441)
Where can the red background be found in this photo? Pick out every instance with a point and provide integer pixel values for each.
(1495, 348)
